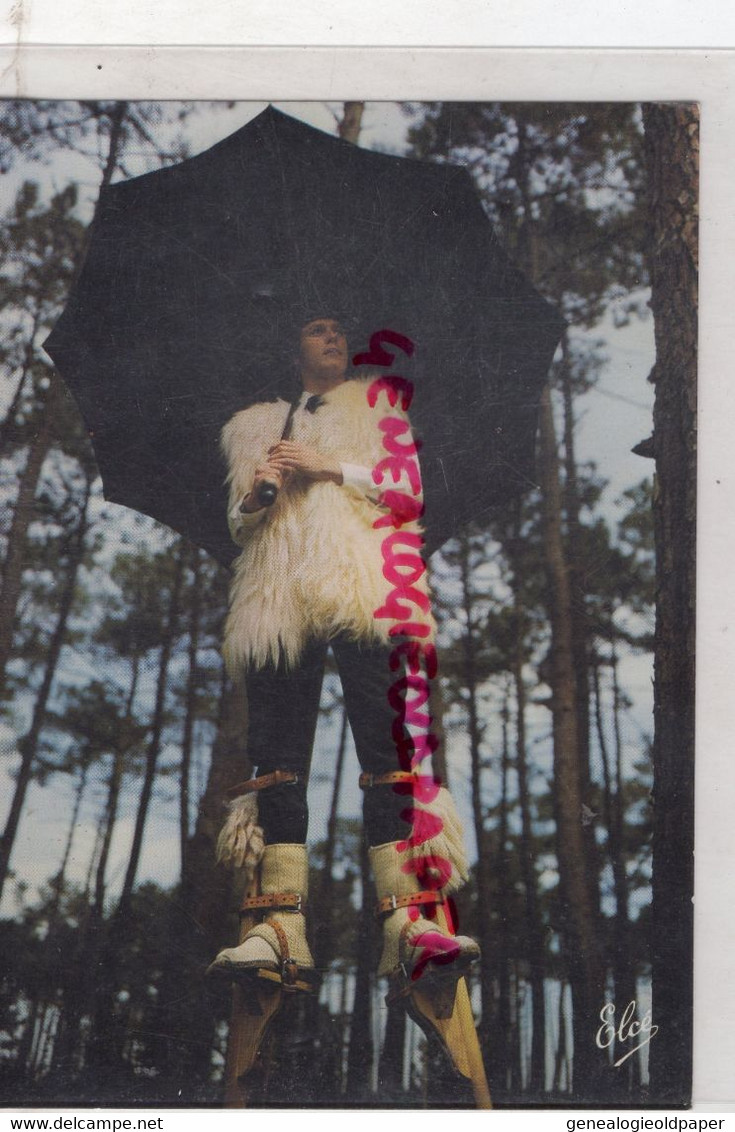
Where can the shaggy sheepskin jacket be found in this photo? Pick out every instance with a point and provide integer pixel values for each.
(312, 564)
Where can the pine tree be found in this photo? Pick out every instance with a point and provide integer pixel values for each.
(672, 150)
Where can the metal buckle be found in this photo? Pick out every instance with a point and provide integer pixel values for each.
(393, 902)
(289, 973)
(292, 782)
(298, 901)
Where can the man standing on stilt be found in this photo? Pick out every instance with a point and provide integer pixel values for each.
(311, 576)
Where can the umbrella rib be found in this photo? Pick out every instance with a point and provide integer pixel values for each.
(444, 474)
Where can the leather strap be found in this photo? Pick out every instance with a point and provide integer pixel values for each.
(289, 966)
(391, 903)
(290, 901)
(264, 781)
(393, 778)
(292, 977)
(307, 981)
(282, 939)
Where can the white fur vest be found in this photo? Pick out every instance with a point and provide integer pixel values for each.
(313, 565)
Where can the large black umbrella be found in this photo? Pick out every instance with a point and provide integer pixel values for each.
(196, 275)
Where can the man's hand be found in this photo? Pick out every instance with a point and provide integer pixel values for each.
(299, 459)
(273, 472)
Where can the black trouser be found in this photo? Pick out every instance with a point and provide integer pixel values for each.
(283, 710)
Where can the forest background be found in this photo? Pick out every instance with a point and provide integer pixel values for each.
(120, 731)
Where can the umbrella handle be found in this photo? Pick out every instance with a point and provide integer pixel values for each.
(267, 494)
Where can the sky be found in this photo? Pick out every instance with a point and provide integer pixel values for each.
(612, 417)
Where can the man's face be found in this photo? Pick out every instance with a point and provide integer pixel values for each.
(322, 348)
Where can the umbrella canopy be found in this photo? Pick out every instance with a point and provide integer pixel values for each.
(197, 277)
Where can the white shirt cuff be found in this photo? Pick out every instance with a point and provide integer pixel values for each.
(360, 479)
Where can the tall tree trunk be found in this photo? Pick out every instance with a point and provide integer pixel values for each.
(324, 937)
(59, 880)
(572, 509)
(205, 888)
(9, 423)
(536, 952)
(349, 127)
(621, 958)
(622, 964)
(672, 153)
(60, 977)
(24, 1059)
(117, 124)
(360, 1053)
(534, 928)
(78, 990)
(187, 738)
(625, 985)
(578, 613)
(578, 901)
(470, 682)
(154, 746)
(561, 1060)
(23, 514)
(29, 743)
(580, 928)
(436, 712)
(208, 895)
(114, 787)
(496, 1040)
(390, 1067)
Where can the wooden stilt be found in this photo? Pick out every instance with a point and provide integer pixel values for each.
(254, 1007)
(455, 1030)
(257, 999)
(441, 1006)
(438, 1003)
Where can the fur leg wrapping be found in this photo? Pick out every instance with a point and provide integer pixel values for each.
(437, 842)
(241, 840)
(411, 941)
(284, 869)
